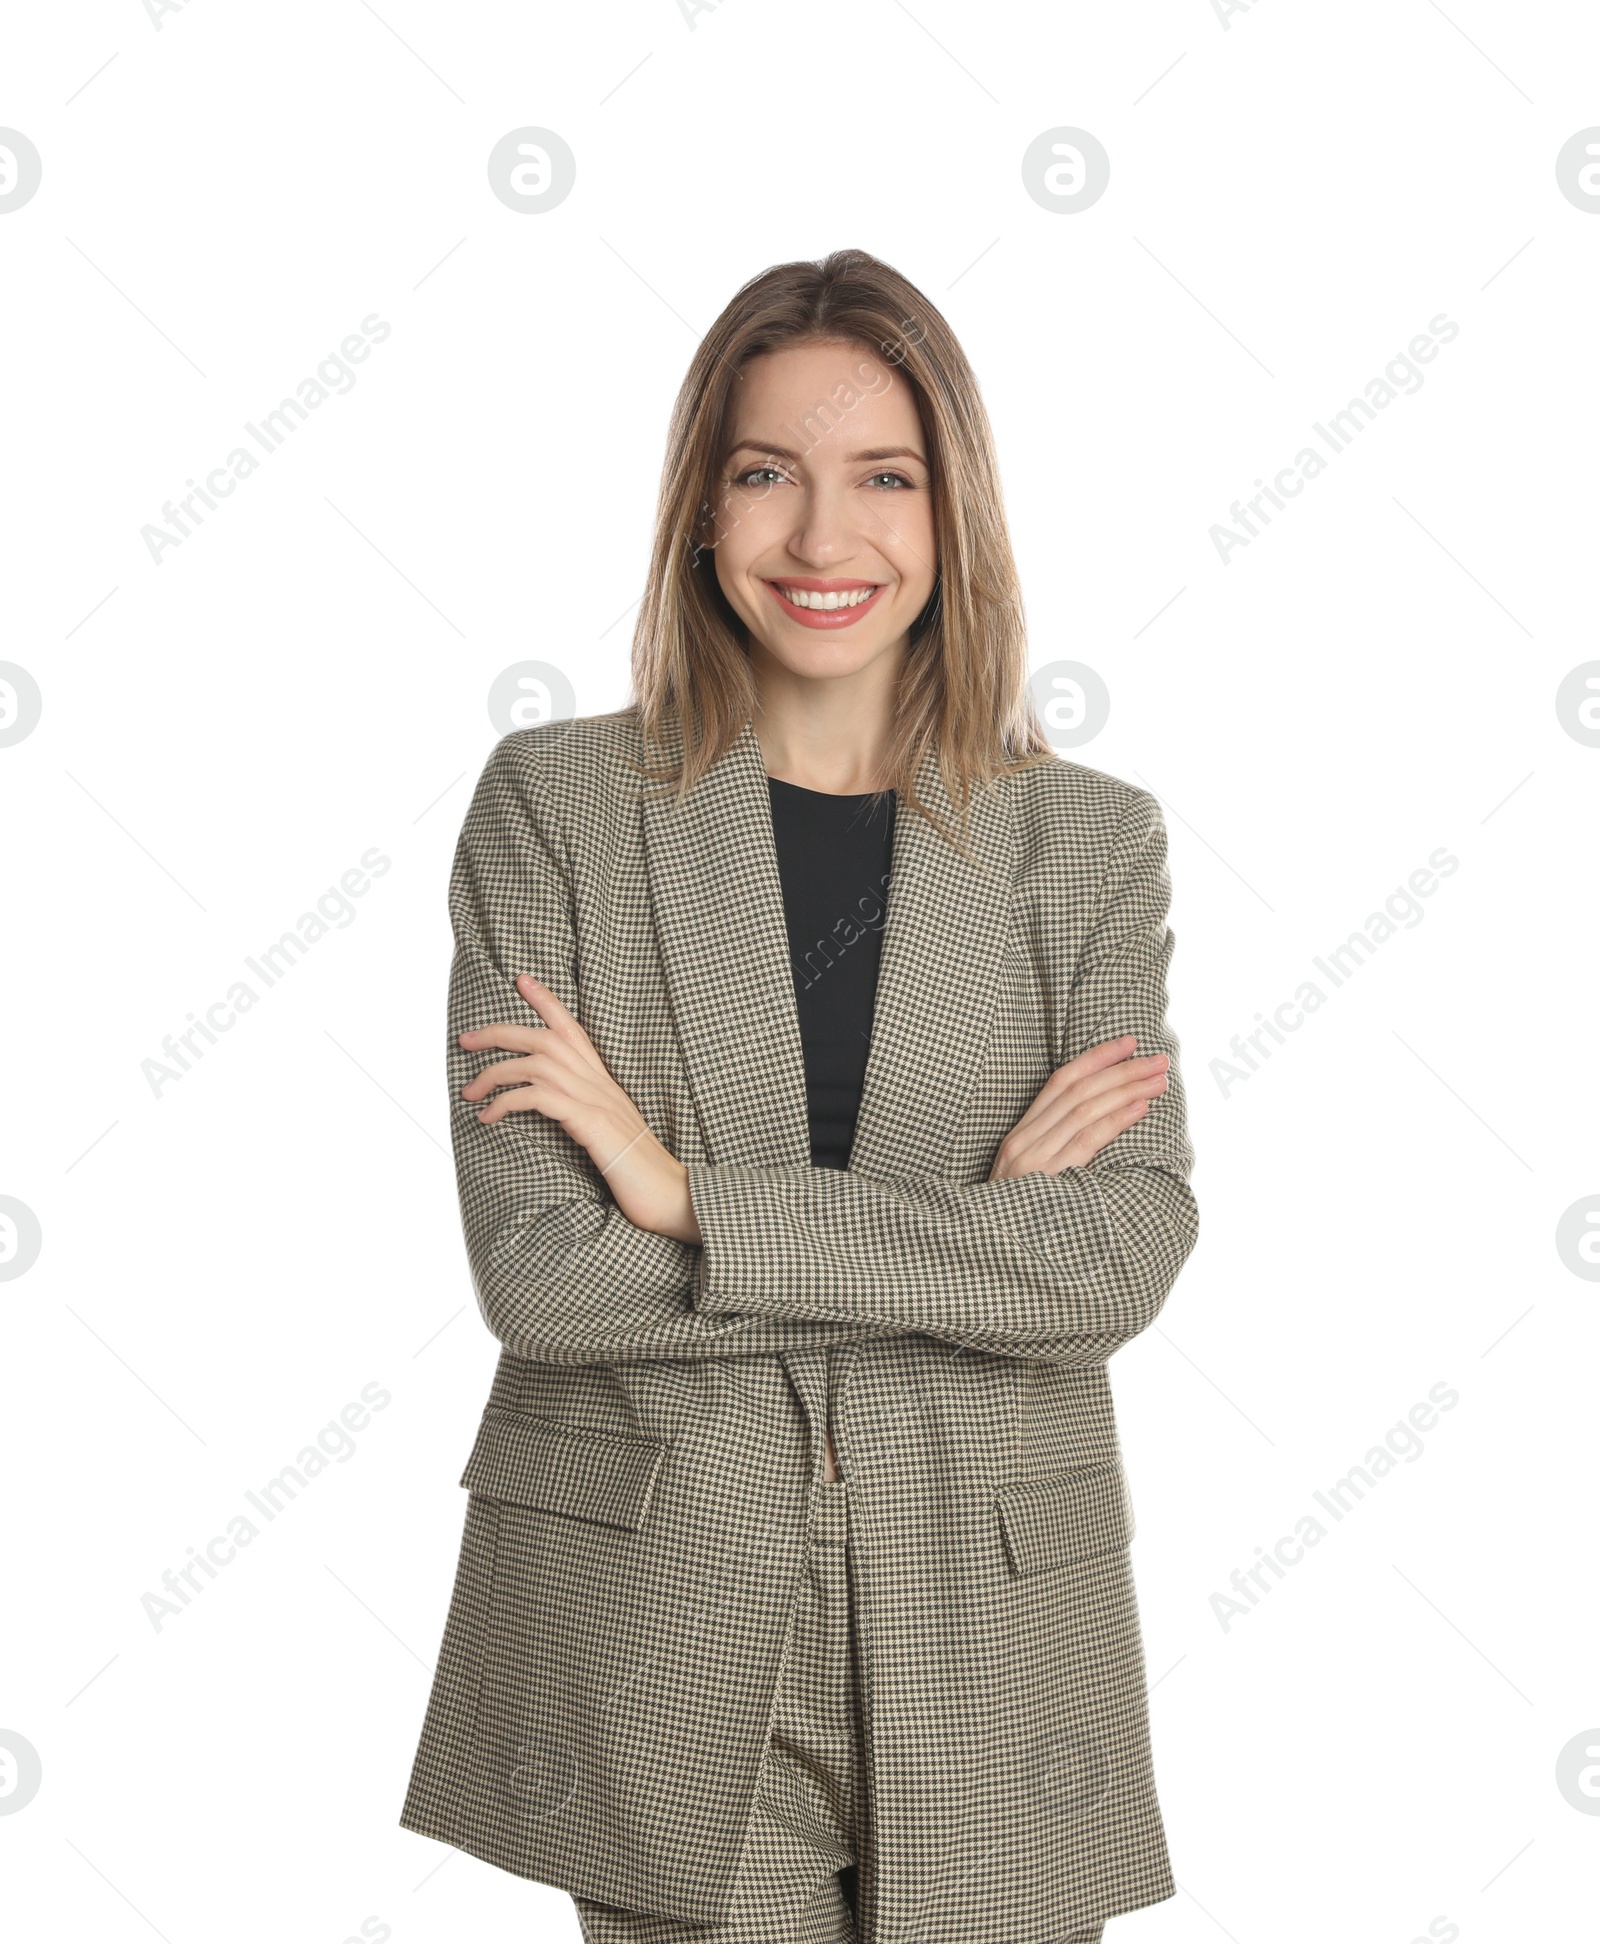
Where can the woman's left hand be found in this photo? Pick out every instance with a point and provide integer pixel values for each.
(558, 1073)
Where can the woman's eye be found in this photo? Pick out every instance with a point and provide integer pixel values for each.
(759, 475)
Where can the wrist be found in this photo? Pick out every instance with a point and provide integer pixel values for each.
(686, 1223)
(657, 1198)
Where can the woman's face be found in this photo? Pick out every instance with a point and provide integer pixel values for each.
(822, 496)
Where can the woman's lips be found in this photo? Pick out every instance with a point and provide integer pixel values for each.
(824, 617)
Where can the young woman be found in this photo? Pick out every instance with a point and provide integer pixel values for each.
(819, 1137)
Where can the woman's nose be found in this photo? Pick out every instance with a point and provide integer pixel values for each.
(827, 529)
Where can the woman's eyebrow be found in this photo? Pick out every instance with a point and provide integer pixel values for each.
(851, 458)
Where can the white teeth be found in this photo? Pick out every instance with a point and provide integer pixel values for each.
(803, 597)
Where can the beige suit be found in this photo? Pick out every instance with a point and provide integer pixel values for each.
(643, 1482)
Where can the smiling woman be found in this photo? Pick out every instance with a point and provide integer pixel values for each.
(829, 442)
(867, 506)
(795, 1600)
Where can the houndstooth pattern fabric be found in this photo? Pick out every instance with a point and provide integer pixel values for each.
(809, 1832)
(641, 1494)
(808, 1829)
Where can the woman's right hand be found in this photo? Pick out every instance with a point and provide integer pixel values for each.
(1081, 1109)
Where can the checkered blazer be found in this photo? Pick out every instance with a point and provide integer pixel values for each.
(641, 1483)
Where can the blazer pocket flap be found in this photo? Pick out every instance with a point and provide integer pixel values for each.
(600, 1476)
(1051, 1522)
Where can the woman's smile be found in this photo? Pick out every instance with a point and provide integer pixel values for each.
(817, 603)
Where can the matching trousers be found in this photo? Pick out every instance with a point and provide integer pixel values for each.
(805, 1878)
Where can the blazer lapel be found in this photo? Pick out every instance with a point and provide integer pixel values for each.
(944, 938)
(718, 904)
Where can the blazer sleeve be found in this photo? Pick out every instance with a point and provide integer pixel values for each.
(561, 1274)
(1064, 1267)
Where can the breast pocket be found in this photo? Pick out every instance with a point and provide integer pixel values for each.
(553, 1466)
(1056, 1521)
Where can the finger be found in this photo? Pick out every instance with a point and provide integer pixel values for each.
(548, 1059)
(1078, 1132)
(1101, 1066)
(1107, 1053)
(536, 1100)
(556, 1015)
(509, 1038)
(553, 1082)
(1099, 1134)
(503, 1073)
(532, 1042)
(1088, 1066)
(528, 1040)
(1106, 1103)
(545, 1003)
(1068, 1086)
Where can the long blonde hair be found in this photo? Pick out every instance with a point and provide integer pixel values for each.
(964, 686)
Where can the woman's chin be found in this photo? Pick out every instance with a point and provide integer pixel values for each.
(804, 652)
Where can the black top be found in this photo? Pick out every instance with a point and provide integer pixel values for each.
(834, 861)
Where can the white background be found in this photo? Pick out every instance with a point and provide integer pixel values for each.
(1294, 195)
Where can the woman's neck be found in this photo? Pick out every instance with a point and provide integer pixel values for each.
(825, 733)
